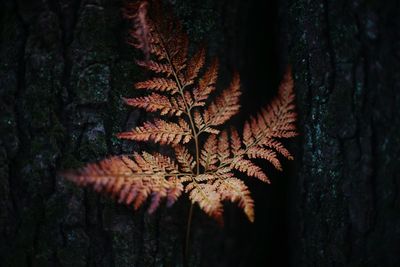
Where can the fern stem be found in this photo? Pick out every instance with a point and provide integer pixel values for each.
(187, 237)
(195, 135)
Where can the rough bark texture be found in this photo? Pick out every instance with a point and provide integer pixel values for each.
(65, 66)
(345, 205)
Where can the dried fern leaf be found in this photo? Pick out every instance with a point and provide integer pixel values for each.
(209, 200)
(223, 147)
(189, 99)
(194, 65)
(262, 153)
(210, 130)
(261, 132)
(206, 84)
(277, 120)
(156, 102)
(158, 162)
(174, 192)
(184, 158)
(208, 157)
(157, 67)
(160, 131)
(278, 146)
(132, 180)
(183, 90)
(248, 167)
(198, 120)
(235, 190)
(205, 177)
(236, 143)
(225, 106)
(159, 84)
(178, 49)
(248, 138)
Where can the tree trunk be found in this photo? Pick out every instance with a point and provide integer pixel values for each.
(345, 198)
(65, 66)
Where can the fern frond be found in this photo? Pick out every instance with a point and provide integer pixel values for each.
(204, 177)
(160, 132)
(132, 180)
(277, 120)
(198, 120)
(159, 84)
(261, 132)
(175, 191)
(217, 174)
(278, 146)
(210, 130)
(157, 102)
(223, 173)
(223, 147)
(178, 50)
(158, 162)
(235, 190)
(208, 157)
(184, 158)
(225, 106)
(157, 67)
(262, 153)
(182, 88)
(248, 138)
(194, 65)
(208, 199)
(189, 98)
(248, 167)
(201, 125)
(206, 84)
(236, 142)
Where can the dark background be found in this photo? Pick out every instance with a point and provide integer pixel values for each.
(65, 65)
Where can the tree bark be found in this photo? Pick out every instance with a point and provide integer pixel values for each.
(345, 198)
(65, 66)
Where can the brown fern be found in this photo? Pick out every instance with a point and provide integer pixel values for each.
(181, 88)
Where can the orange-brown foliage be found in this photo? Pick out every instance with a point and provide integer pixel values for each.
(182, 88)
